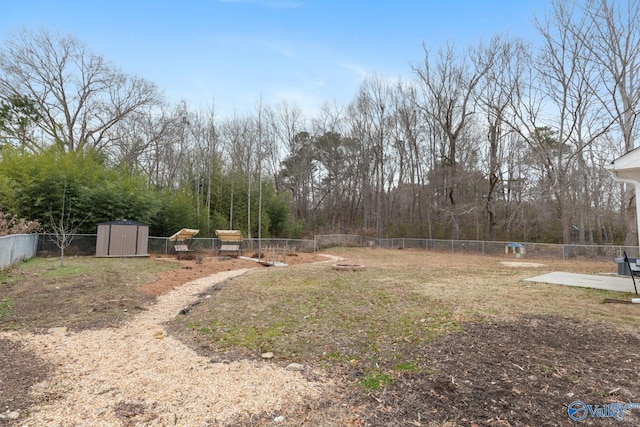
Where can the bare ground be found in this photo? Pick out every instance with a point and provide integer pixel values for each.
(523, 372)
(511, 369)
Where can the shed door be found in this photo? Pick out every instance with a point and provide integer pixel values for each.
(123, 240)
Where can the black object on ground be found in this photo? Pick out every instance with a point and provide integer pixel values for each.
(626, 259)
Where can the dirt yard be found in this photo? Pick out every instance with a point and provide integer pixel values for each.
(500, 353)
(192, 269)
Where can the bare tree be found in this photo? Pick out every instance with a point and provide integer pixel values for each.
(286, 121)
(372, 119)
(612, 37)
(447, 86)
(65, 227)
(501, 58)
(555, 111)
(411, 136)
(297, 174)
(237, 135)
(80, 96)
(207, 151)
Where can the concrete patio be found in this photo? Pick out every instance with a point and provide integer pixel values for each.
(605, 282)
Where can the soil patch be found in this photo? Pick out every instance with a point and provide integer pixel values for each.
(516, 373)
(20, 368)
(187, 270)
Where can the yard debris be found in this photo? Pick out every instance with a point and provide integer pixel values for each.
(10, 415)
(348, 267)
(294, 367)
(621, 301)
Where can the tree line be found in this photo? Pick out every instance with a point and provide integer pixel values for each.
(502, 140)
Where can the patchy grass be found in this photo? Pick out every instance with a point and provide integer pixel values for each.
(316, 313)
(86, 292)
(374, 380)
(373, 322)
(6, 305)
(425, 337)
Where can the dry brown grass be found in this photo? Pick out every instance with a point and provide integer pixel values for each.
(412, 319)
(375, 317)
(476, 287)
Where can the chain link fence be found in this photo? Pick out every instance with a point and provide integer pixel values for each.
(541, 250)
(81, 245)
(85, 245)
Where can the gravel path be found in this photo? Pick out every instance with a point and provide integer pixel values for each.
(135, 374)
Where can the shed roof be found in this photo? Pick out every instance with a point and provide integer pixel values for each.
(121, 222)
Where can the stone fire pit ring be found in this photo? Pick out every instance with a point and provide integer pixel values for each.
(348, 267)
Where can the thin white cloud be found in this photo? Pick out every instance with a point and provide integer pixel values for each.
(354, 68)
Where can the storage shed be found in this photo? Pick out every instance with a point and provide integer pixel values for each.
(122, 238)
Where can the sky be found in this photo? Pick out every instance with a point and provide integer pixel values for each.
(232, 54)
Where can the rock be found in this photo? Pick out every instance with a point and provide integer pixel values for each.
(58, 331)
(13, 415)
(158, 335)
(294, 367)
(267, 355)
(278, 419)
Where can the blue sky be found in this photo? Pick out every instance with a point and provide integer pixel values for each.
(231, 53)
